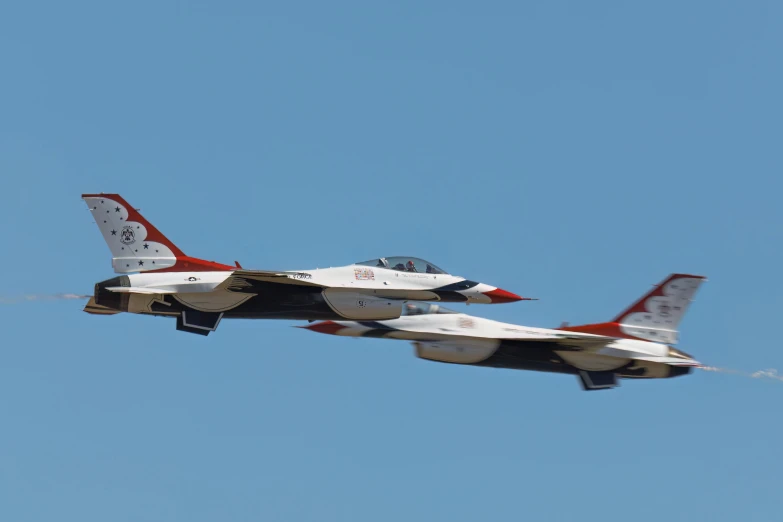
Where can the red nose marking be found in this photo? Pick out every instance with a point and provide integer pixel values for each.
(325, 327)
(501, 296)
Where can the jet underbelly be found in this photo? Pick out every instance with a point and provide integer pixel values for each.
(591, 361)
(213, 301)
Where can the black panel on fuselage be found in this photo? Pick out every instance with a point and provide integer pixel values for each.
(273, 301)
(541, 357)
(528, 355)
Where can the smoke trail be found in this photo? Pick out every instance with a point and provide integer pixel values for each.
(770, 373)
(40, 297)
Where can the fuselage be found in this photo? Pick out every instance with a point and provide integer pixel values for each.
(464, 339)
(353, 291)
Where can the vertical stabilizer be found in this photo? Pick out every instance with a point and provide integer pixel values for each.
(656, 316)
(135, 244)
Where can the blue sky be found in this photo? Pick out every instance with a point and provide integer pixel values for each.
(572, 152)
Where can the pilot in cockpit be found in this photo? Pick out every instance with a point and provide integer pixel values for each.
(410, 267)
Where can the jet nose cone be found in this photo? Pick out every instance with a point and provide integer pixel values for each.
(502, 296)
(324, 327)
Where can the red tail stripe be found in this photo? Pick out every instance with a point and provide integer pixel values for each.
(192, 264)
(606, 329)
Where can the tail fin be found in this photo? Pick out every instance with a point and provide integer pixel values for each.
(135, 244)
(655, 317)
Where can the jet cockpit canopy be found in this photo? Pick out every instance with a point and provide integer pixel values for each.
(404, 264)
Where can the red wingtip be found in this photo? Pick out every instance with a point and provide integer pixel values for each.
(501, 296)
(325, 327)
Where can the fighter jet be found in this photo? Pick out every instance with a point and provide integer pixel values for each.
(634, 345)
(159, 279)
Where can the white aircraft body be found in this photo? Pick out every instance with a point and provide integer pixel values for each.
(159, 279)
(635, 345)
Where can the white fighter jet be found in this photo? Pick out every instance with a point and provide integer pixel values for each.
(636, 344)
(159, 279)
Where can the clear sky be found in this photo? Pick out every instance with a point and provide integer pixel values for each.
(573, 151)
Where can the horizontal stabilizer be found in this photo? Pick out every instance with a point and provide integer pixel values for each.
(93, 308)
(138, 290)
(671, 361)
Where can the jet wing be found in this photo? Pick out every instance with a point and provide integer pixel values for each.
(574, 342)
(239, 280)
(242, 281)
(566, 341)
